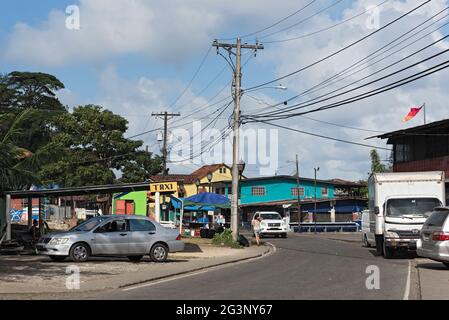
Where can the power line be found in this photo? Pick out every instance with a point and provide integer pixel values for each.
(301, 21)
(323, 136)
(305, 104)
(192, 79)
(374, 92)
(272, 25)
(340, 50)
(337, 77)
(327, 28)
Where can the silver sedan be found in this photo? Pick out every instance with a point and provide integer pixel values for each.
(116, 235)
(434, 241)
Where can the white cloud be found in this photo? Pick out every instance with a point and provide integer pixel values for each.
(173, 31)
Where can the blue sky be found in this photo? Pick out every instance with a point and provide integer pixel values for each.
(136, 57)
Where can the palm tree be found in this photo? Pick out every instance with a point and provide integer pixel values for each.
(17, 165)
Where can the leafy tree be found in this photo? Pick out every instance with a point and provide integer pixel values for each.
(18, 165)
(376, 165)
(141, 168)
(21, 91)
(95, 149)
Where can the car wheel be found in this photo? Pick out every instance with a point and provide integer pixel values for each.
(159, 252)
(284, 235)
(387, 252)
(446, 264)
(58, 258)
(80, 252)
(135, 258)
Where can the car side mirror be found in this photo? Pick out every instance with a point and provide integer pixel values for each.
(376, 210)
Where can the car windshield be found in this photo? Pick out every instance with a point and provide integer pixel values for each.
(270, 216)
(411, 207)
(89, 224)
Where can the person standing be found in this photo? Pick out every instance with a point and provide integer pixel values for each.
(256, 228)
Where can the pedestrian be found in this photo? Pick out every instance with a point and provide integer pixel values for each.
(34, 231)
(256, 227)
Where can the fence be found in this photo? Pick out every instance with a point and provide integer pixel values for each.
(326, 227)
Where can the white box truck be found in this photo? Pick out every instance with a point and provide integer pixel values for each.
(398, 203)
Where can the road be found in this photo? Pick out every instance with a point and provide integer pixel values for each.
(302, 267)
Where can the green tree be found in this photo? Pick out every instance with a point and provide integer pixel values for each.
(95, 150)
(376, 164)
(21, 91)
(18, 165)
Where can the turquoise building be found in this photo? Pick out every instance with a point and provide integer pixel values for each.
(280, 193)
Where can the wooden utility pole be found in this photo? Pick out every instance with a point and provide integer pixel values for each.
(238, 46)
(165, 116)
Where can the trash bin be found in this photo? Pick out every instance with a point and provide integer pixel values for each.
(204, 233)
(210, 233)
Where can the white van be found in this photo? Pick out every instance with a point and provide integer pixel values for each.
(368, 237)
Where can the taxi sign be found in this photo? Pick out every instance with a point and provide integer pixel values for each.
(164, 187)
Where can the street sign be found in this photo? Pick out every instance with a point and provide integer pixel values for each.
(164, 187)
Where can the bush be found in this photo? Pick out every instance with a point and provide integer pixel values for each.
(224, 239)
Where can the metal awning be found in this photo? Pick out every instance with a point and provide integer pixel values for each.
(78, 191)
(75, 191)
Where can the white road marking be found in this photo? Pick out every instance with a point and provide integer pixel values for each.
(407, 284)
(153, 283)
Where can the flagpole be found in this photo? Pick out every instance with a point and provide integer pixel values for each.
(424, 107)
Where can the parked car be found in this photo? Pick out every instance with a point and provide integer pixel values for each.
(434, 240)
(116, 235)
(368, 237)
(272, 224)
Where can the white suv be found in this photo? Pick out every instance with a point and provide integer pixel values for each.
(271, 224)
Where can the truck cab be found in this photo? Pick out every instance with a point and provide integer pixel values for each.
(399, 204)
(403, 220)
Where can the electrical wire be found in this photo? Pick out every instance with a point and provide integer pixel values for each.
(306, 104)
(371, 93)
(324, 137)
(327, 28)
(272, 25)
(342, 49)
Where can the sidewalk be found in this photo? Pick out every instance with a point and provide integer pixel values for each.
(433, 279)
(34, 275)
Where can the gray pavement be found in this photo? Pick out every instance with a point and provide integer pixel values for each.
(303, 267)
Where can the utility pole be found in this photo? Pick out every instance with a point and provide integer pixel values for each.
(299, 199)
(238, 46)
(165, 116)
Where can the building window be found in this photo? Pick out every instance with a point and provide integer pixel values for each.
(258, 191)
(297, 192)
(324, 192)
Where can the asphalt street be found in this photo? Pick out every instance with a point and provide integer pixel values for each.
(302, 267)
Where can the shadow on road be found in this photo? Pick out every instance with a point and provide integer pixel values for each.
(397, 255)
(433, 266)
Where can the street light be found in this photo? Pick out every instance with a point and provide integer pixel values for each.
(209, 178)
(197, 183)
(314, 211)
(278, 87)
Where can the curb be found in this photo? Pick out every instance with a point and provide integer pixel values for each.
(269, 250)
(257, 256)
